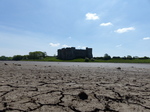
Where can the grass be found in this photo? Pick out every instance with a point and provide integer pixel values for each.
(58, 60)
(125, 61)
(54, 59)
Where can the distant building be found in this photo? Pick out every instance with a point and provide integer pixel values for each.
(72, 53)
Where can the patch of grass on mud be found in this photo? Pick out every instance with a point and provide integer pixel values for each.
(55, 59)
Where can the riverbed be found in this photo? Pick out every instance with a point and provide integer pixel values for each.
(74, 87)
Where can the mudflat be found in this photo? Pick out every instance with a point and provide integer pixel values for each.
(75, 87)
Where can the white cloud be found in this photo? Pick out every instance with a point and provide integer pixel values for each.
(146, 38)
(106, 24)
(65, 45)
(54, 45)
(78, 46)
(81, 47)
(91, 16)
(123, 30)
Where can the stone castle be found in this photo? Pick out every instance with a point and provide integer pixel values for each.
(73, 53)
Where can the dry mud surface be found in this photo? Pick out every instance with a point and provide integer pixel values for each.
(49, 87)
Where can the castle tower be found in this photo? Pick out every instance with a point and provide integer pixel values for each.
(89, 52)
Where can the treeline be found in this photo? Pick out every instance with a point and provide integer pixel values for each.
(129, 57)
(39, 55)
(31, 56)
(5, 58)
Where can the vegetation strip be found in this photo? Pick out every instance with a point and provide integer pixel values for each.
(42, 56)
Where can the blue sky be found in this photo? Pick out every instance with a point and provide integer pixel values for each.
(116, 27)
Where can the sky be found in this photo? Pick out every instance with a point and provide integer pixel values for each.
(115, 27)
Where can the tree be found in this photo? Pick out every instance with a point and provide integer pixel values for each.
(3, 58)
(124, 57)
(25, 57)
(107, 57)
(17, 57)
(145, 57)
(135, 57)
(116, 57)
(129, 57)
(37, 55)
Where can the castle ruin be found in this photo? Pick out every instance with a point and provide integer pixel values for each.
(72, 53)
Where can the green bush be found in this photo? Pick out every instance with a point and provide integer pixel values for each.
(107, 57)
(86, 59)
(92, 59)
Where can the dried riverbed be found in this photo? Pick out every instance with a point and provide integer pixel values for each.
(54, 87)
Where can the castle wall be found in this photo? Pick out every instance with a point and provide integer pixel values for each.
(80, 53)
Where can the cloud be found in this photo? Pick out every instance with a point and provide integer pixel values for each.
(81, 47)
(123, 30)
(78, 47)
(106, 24)
(65, 45)
(146, 38)
(54, 45)
(91, 16)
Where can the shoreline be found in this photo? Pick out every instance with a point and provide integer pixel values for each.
(85, 64)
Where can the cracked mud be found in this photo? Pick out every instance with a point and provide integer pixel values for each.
(36, 87)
